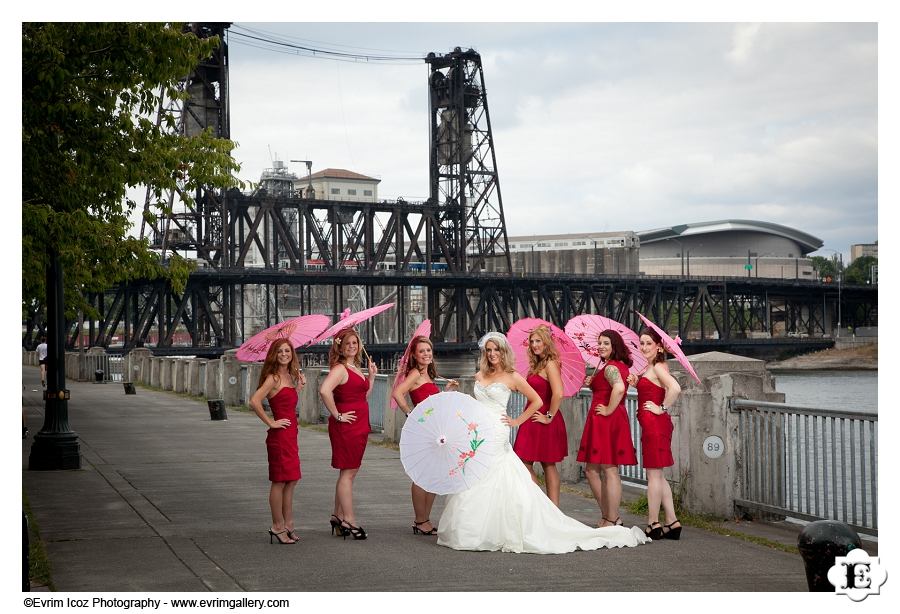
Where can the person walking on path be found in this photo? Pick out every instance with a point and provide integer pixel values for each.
(606, 439)
(345, 393)
(419, 385)
(41, 351)
(543, 438)
(280, 381)
(657, 391)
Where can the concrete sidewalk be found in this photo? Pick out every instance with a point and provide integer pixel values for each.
(168, 500)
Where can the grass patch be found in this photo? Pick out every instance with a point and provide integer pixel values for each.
(710, 523)
(38, 563)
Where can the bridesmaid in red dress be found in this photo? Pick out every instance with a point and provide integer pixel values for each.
(345, 392)
(419, 384)
(606, 441)
(280, 381)
(657, 391)
(543, 438)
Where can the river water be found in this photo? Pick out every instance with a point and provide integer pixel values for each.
(844, 390)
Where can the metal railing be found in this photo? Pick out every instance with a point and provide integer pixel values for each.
(809, 463)
(630, 473)
(112, 366)
(378, 401)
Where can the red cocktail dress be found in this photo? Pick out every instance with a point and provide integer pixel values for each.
(536, 442)
(656, 430)
(423, 392)
(606, 440)
(281, 444)
(348, 439)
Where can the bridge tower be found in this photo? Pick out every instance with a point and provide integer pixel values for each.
(196, 226)
(463, 166)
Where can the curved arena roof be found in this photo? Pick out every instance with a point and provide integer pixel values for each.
(807, 241)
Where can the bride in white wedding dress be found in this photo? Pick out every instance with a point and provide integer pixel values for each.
(506, 510)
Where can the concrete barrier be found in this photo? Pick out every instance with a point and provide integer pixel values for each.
(165, 373)
(155, 364)
(310, 402)
(231, 378)
(193, 377)
(213, 379)
(710, 484)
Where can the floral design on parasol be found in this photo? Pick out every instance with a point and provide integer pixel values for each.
(448, 445)
(585, 329)
(422, 330)
(349, 320)
(299, 331)
(673, 346)
(570, 359)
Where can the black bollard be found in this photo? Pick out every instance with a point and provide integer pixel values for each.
(129, 387)
(217, 409)
(820, 543)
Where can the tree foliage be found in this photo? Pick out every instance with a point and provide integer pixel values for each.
(860, 270)
(826, 267)
(90, 95)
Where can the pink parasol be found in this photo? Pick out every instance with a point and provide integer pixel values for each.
(349, 320)
(423, 330)
(299, 331)
(571, 364)
(673, 347)
(585, 329)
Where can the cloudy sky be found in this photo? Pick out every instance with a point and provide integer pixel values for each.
(597, 127)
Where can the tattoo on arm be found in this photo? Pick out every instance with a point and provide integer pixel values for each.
(612, 375)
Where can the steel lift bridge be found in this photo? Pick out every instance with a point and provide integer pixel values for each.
(318, 256)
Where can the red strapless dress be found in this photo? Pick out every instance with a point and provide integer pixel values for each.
(423, 392)
(281, 444)
(536, 442)
(606, 440)
(348, 439)
(656, 430)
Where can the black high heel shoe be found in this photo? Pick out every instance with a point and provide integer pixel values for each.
(349, 529)
(418, 531)
(336, 526)
(673, 532)
(654, 532)
(277, 537)
(293, 535)
(616, 523)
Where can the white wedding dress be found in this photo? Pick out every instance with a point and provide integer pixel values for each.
(507, 511)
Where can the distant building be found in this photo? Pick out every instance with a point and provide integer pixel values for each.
(612, 253)
(339, 184)
(863, 249)
(728, 248)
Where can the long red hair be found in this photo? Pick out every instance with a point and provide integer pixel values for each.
(334, 353)
(270, 365)
(413, 364)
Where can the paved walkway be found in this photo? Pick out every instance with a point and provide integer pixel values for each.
(168, 500)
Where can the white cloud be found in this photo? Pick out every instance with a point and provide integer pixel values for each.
(604, 126)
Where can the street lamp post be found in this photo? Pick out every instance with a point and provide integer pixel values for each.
(838, 259)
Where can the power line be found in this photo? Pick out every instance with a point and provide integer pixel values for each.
(326, 53)
(321, 44)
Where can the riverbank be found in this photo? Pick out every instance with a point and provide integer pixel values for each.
(863, 357)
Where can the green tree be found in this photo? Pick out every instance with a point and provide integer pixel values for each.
(89, 91)
(860, 270)
(826, 267)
